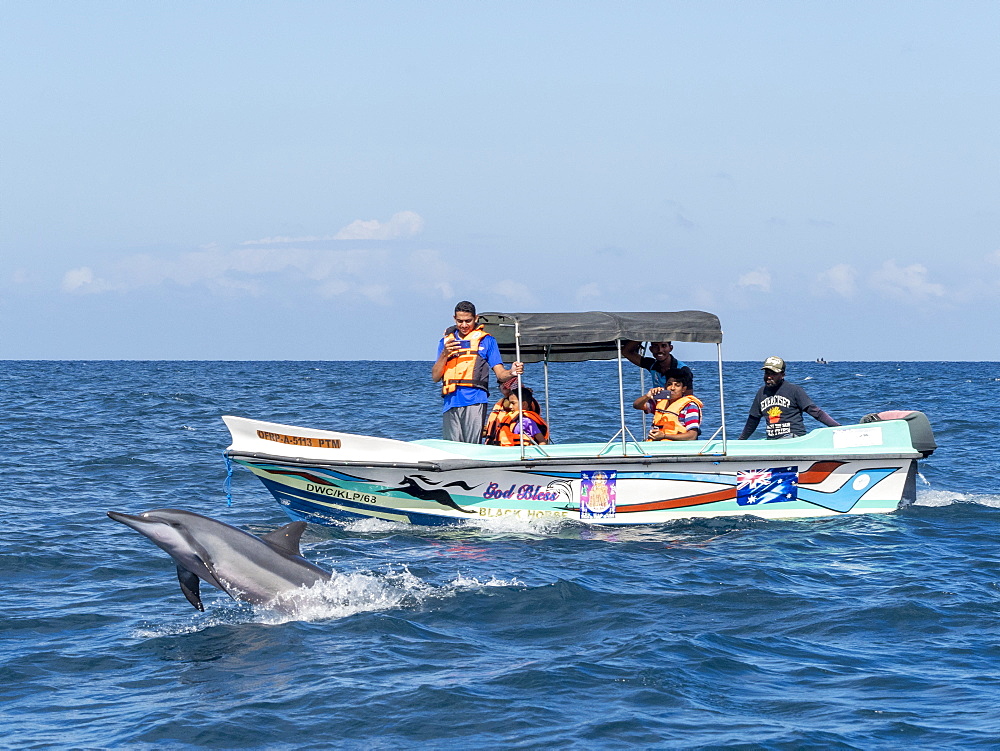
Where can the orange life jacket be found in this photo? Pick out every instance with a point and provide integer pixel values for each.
(466, 367)
(498, 416)
(507, 437)
(666, 416)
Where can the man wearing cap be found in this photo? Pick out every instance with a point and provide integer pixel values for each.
(782, 404)
(661, 361)
(466, 354)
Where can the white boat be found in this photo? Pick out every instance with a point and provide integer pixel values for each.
(326, 476)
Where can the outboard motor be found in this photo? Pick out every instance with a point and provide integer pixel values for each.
(921, 435)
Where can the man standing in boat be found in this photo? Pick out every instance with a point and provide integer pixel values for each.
(466, 354)
(661, 361)
(782, 403)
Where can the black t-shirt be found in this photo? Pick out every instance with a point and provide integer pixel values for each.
(781, 409)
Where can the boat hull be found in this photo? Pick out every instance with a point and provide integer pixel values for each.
(327, 478)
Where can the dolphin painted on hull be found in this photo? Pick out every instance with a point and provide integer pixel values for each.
(258, 570)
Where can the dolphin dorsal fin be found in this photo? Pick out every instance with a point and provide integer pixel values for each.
(286, 539)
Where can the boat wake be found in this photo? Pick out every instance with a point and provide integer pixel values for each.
(371, 525)
(508, 524)
(513, 524)
(947, 498)
(342, 596)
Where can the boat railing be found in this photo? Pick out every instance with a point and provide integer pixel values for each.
(706, 452)
(613, 439)
(626, 436)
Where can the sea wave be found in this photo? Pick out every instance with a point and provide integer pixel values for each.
(854, 631)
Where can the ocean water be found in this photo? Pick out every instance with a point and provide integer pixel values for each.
(848, 632)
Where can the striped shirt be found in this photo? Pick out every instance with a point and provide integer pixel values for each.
(690, 417)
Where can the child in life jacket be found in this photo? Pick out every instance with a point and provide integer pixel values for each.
(676, 410)
(501, 427)
(532, 425)
(500, 413)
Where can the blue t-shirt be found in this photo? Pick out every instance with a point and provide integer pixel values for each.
(464, 396)
(649, 363)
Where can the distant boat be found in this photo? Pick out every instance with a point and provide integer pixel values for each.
(821, 361)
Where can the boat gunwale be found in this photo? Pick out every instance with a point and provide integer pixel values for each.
(469, 464)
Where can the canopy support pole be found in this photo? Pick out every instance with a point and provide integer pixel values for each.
(520, 379)
(722, 399)
(545, 365)
(642, 385)
(623, 431)
(621, 397)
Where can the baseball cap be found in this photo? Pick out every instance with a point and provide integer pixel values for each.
(774, 363)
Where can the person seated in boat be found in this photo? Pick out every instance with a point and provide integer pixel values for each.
(783, 403)
(532, 425)
(502, 427)
(676, 410)
(500, 414)
(661, 361)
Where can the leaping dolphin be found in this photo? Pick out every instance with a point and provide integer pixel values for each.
(258, 570)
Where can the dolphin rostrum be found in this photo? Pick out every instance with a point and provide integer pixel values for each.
(258, 570)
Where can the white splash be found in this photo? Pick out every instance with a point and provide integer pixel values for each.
(470, 582)
(946, 498)
(342, 596)
(370, 524)
(514, 524)
(348, 594)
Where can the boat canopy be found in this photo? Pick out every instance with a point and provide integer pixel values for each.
(576, 337)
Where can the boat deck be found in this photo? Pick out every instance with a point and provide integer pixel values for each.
(889, 437)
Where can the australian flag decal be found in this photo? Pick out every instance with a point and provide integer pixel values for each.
(774, 485)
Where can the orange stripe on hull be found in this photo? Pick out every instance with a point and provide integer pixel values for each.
(692, 500)
(816, 474)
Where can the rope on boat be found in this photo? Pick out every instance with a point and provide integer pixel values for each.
(228, 484)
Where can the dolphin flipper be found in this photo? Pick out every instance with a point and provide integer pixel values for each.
(286, 539)
(190, 587)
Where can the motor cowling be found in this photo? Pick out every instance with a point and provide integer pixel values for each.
(921, 435)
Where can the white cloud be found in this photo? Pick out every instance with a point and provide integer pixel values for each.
(431, 271)
(905, 282)
(76, 279)
(703, 299)
(402, 224)
(841, 278)
(334, 288)
(516, 293)
(280, 240)
(588, 292)
(759, 279)
(376, 293)
(244, 270)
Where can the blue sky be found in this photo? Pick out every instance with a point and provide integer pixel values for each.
(324, 180)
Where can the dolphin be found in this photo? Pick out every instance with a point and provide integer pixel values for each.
(258, 570)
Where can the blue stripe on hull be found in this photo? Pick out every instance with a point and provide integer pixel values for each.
(323, 509)
(298, 508)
